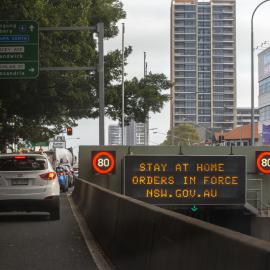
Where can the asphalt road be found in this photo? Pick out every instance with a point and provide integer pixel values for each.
(33, 242)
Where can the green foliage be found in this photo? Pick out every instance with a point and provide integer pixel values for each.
(141, 96)
(182, 134)
(37, 109)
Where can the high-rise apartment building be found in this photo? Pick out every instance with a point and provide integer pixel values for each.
(134, 134)
(115, 135)
(203, 64)
(244, 116)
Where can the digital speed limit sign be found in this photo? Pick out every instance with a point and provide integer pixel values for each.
(263, 162)
(103, 162)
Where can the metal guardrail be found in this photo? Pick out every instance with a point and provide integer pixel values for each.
(255, 197)
(265, 210)
(254, 193)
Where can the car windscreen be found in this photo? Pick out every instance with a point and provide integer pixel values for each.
(23, 163)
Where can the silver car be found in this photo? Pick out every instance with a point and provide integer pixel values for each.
(28, 183)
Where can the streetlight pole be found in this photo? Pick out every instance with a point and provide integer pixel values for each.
(100, 30)
(252, 73)
(123, 82)
(146, 123)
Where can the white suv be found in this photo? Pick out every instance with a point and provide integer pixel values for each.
(28, 183)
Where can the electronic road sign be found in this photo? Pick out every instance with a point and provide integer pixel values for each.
(263, 162)
(186, 180)
(103, 162)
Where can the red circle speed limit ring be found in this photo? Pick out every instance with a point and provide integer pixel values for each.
(103, 162)
(263, 162)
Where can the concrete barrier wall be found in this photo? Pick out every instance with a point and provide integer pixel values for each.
(260, 227)
(135, 235)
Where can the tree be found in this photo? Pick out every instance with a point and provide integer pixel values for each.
(38, 109)
(183, 134)
(141, 96)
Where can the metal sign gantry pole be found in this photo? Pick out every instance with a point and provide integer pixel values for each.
(100, 30)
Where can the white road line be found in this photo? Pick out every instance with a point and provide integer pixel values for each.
(95, 250)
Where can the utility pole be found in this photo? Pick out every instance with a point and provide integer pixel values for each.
(100, 30)
(144, 64)
(146, 132)
(123, 83)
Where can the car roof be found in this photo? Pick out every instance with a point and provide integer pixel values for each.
(22, 154)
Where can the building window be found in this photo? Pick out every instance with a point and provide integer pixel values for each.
(189, 89)
(264, 86)
(204, 112)
(204, 104)
(185, 103)
(265, 113)
(204, 24)
(204, 119)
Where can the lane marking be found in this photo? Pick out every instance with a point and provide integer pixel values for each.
(101, 261)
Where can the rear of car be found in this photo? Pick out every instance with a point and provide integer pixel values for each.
(28, 183)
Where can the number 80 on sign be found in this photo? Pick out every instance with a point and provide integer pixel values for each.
(263, 162)
(103, 162)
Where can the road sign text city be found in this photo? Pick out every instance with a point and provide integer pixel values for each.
(19, 45)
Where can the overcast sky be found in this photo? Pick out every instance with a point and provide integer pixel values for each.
(148, 29)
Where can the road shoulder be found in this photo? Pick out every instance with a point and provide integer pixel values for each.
(101, 261)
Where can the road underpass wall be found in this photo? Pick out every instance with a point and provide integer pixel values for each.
(136, 235)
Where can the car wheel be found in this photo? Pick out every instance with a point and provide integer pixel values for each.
(55, 214)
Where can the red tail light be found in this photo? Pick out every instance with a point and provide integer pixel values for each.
(48, 176)
(20, 157)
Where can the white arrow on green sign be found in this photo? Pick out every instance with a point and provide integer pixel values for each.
(19, 50)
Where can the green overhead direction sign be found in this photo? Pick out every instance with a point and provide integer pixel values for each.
(19, 49)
